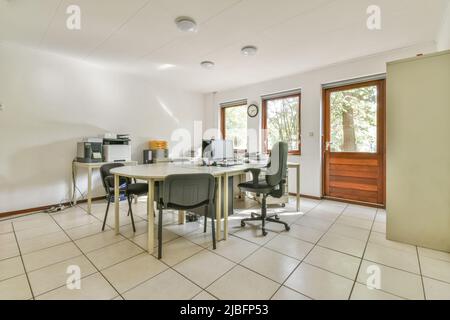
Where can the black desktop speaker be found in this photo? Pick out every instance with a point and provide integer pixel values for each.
(147, 156)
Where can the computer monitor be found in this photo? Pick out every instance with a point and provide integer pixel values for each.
(222, 150)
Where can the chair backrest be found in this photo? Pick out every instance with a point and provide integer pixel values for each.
(188, 191)
(277, 170)
(105, 172)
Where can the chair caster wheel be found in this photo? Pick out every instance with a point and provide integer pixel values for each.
(288, 228)
(264, 233)
(242, 224)
(277, 217)
(283, 205)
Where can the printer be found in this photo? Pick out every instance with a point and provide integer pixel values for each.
(116, 148)
(90, 150)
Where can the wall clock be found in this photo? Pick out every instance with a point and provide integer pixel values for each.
(252, 110)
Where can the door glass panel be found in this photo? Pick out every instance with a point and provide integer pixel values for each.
(353, 120)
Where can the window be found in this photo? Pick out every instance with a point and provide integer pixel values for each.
(234, 124)
(281, 121)
(353, 119)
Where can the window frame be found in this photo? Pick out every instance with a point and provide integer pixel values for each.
(264, 122)
(222, 120)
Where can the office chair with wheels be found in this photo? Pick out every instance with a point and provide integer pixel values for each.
(273, 185)
(126, 188)
(185, 192)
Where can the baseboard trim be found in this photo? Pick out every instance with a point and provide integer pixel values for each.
(305, 196)
(42, 208)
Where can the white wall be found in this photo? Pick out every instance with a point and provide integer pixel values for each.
(51, 102)
(311, 123)
(443, 38)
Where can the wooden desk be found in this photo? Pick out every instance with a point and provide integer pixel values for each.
(90, 167)
(158, 172)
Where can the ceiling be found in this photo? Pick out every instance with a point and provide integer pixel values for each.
(291, 35)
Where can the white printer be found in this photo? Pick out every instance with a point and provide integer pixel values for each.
(117, 148)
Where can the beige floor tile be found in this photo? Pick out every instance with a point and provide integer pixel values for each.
(434, 254)
(168, 285)
(184, 229)
(42, 242)
(355, 222)
(141, 228)
(32, 222)
(10, 268)
(342, 244)
(98, 241)
(333, 261)
(56, 275)
(8, 249)
(316, 223)
(289, 246)
(305, 233)
(5, 227)
(350, 232)
(119, 298)
(204, 296)
(29, 234)
(115, 253)
(435, 269)
(379, 227)
(131, 272)
(436, 290)
(16, 288)
(93, 287)
(142, 239)
(243, 284)
(392, 257)
(323, 214)
(394, 281)
(235, 249)
(76, 222)
(285, 293)
(362, 292)
(253, 233)
(86, 230)
(199, 237)
(175, 251)
(45, 257)
(380, 239)
(381, 216)
(319, 284)
(360, 212)
(271, 264)
(204, 268)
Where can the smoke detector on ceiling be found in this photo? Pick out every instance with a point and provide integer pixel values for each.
(186, 24)
(207, 64)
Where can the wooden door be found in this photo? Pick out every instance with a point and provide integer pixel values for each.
(354, 143)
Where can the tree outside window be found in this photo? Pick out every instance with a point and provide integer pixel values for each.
(235, 125)
(281, 122)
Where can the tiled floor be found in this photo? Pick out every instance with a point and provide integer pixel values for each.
(329, 253)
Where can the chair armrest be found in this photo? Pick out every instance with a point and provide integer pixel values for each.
(255, 174)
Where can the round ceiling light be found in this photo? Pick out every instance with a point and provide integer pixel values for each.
(249, 50)
(207, 64)
(186, 24)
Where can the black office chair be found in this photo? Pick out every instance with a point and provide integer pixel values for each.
(185, 192)
(273, 185)
(126, 188)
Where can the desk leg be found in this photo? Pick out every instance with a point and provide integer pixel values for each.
(150, 215)
(298, 188)
(181, 217)
(116, 204)
(225, 208)
(89, 192)
(74, 183)
(218, 208)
